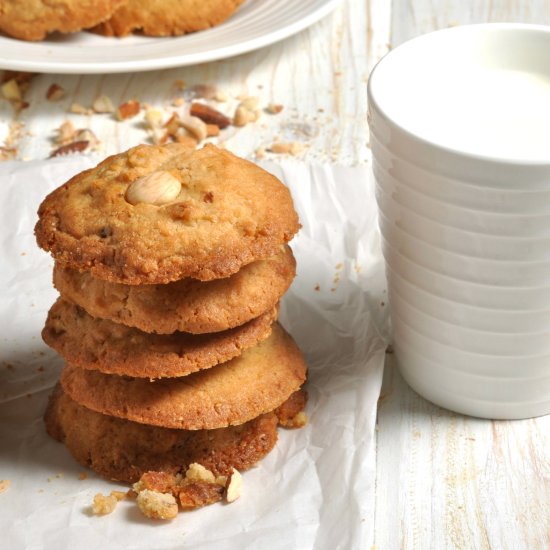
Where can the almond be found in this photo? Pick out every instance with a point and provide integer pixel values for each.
(194, 126)
(234, 486)
(157, 188)
(128, 110)
(103, 104)
(55, 93)
(209, 115)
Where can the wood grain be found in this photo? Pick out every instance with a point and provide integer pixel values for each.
(411, 18)
(445, 480)
(318, 75)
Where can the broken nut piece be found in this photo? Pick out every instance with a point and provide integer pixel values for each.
(128, 110)
(197, 472)
(157, 188)
(55, 93)
(195, 126)
(235, 482)
(103, 104)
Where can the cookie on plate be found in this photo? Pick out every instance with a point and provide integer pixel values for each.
(255, 382)
(99, 344)
(34, 19)
(167, 17)
(122, 450)
(187, 305)
(157, 214)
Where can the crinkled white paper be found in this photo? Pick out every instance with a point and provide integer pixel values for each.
(315, 490)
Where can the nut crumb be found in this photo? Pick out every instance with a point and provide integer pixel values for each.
(241, 117)
(157, 505)
(55, 93)
(197, 472)
(274, 108)
(4, 485)
(65, 133)
(103, 104)
(291, 148)
(11, 91)
(78, 109)
(82, 476)
(104, 505)
(127, 110)
(234, 486)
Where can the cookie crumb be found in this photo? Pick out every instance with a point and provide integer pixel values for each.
(157, 505)
(82, 476)
(104, 505)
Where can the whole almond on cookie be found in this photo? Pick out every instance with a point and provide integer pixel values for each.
(157, 188)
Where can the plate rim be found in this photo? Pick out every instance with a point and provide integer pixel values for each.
(168, 62)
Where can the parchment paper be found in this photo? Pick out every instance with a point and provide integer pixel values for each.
(315, 490)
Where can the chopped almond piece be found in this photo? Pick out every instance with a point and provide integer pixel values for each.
(128, 110)
(11, 91)
(103, 104)
(69, 148)
(55, 93)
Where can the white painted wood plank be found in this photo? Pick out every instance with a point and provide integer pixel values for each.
(411, 18)
(449, 481)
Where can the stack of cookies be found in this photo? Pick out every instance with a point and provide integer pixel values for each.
(170, 264)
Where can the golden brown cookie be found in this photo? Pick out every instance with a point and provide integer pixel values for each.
(33, 19)
(122, 450)
(255, 382)
(112, 348)
(187, 305)
(157, 214)
(167, 17)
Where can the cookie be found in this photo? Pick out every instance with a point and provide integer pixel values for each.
(187, 305)
(255, 382)
(157, 214)
(167, 17)
(123, 450)
(112, 348)
(34, 19)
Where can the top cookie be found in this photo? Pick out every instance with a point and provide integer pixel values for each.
(33, 19)
(156, 214)
(167, 17)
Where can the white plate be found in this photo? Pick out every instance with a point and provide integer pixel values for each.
(256, 24)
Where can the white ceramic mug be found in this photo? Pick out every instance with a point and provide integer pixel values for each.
(460, 136)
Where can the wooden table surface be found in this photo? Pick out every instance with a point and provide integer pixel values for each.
(443, 480)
